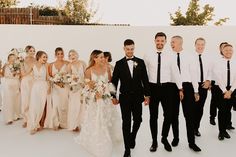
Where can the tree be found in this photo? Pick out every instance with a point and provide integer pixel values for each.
(193, 16)
(7, 3)
(78, 12)
(47, 10)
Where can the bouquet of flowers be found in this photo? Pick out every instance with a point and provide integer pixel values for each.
(59, 79)
(15, 68)
(19, 53)
(75, 83)
(97, 90)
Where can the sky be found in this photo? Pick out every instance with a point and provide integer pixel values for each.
(145, 12)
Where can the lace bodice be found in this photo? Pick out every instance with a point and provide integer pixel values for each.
(102, 77)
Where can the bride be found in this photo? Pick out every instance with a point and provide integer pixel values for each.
(101, 126)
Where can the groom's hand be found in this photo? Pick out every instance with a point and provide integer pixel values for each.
(146, 100)
(115, 101)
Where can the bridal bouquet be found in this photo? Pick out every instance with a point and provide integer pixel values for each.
(59, 79)
(75, 83)
(100, 89)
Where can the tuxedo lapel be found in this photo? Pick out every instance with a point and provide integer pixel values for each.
(135, 67)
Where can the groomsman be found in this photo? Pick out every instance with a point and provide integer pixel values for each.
(134, 89)
(215, 90)
(184, 61)
(226, 78)
(162, 74)
(203, 67)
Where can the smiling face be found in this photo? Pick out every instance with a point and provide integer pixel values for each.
(43, 59)
(160, 42)
(73, 56)
(99, 59)
(60, 55)
(176, 44)
(200, 45)
(11, 58)
(31, 52)
(227, 51)
(129, 50)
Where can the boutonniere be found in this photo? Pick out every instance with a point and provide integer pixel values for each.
(135, 64)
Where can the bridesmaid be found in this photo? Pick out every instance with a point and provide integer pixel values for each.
(40, 90)
(60, 93)
(11, 91)
(26, 82)
(75, 106)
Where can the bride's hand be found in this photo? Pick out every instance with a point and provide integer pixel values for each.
(98, 96)
(115, 101)
(91, 84)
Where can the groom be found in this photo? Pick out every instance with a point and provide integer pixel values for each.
(134, 89)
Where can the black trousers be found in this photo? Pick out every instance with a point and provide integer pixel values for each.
(199, 105)
(175, 112)
(188, 104)
(215, 99)
(130, 108)
(224, 112)
(160, 93)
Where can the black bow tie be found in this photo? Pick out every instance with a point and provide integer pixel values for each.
(129, 59)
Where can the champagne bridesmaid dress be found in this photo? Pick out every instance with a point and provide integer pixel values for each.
(38, 98)
(75, 107)
(11, 96)
(60, 97)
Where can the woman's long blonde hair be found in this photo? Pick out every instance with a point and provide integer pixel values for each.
(93, 55)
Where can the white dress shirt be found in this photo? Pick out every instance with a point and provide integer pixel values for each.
(206, 64)
(131, 66)
(168, 71)
(187, 68)
(221, 73)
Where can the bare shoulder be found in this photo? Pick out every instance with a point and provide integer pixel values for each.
(66, 62)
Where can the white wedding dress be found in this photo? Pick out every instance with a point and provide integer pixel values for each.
(101, 127)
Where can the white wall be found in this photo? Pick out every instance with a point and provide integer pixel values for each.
(107, 38)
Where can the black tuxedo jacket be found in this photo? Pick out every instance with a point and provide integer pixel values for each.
(136, 86)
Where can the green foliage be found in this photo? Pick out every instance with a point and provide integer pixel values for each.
(8, 3)
(77, 11)
(194, 16)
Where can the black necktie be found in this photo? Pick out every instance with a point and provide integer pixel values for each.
(228, 75)
(178, 61)
(159, 68)
(201, 68)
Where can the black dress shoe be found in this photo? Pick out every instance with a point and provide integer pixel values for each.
(197, 133)
(127, 154)
(230, 127)
(212, 122)
(132, 143)
(226, 135)
(221, 136)
(153, 148)
(194, 147)
(175, 142)
(166, 145)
